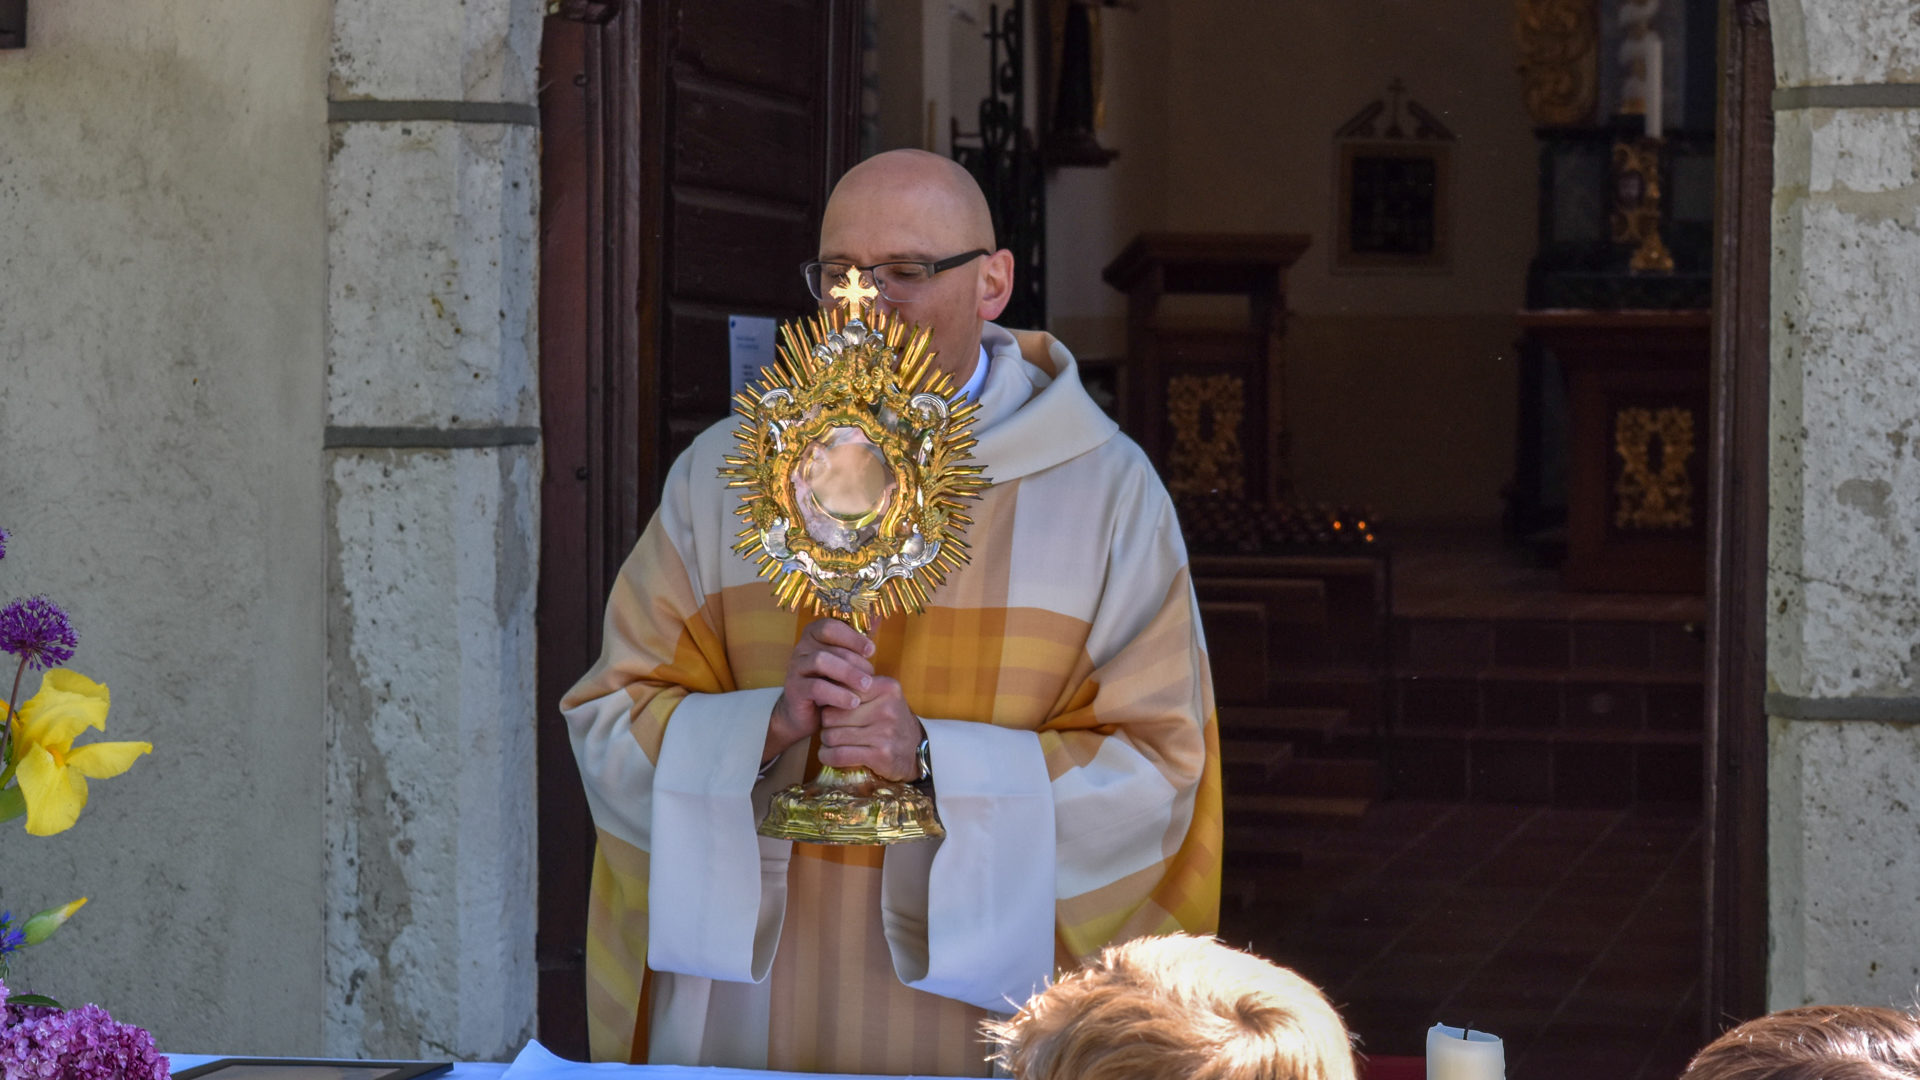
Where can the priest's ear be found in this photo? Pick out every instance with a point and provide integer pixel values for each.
(996, 284)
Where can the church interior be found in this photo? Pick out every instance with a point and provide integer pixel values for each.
(1409, 303)
(1410, 306)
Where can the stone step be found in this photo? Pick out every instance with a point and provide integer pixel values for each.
(1357, 778)
(1257, 848)
(1586, 698)
(1474, 644)
(1253, 810)
(1302, 724)
(1258, 766)
(1584, 768)
(1253, 764)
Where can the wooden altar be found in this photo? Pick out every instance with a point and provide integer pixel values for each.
(1206, 400)
(1636, 448)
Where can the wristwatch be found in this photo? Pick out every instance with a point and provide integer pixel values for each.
(925, 757)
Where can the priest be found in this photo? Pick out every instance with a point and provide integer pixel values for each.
(1054, 696)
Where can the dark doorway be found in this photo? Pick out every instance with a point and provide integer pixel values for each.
(688, 145)
(687, 149)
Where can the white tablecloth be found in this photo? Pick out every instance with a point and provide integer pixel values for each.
(466, 1070)
(536, 1062)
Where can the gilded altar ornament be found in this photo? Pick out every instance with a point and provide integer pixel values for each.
(1559, 59)
(853, 481)
(1204, 412)
(1636, 205)
(1650, 498)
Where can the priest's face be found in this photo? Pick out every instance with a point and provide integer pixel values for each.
(911, 206)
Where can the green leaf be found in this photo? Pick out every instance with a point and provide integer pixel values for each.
(12, 803)
(33, 999)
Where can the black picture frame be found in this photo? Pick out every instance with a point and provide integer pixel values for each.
(1393, 207)
(13, 24)
(251, 1068)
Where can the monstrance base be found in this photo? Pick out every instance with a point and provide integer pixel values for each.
(852, 806)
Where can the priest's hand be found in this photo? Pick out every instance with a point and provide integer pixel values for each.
(830, 667)
(881, 733)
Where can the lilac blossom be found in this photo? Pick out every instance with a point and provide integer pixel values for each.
(4, 537)
(40, 1043)
(38, 632)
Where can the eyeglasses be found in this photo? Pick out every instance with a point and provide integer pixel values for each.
(899, 282)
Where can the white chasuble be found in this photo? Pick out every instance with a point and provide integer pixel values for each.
(1062, 679)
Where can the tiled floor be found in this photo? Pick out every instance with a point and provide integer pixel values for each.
(1572, 934)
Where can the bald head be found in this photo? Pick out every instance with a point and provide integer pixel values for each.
(912, 206)
(917, 196)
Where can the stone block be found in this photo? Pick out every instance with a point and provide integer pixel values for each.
(433, 261)
(1860, 150)
(430, 880)
(1844, 588)
(1845, 41)
(1845, 873)
(436, 50)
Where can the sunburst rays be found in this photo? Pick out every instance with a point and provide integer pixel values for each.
(838, 370)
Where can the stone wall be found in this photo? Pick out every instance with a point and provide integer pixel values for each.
(270, 424)
(162, 289)
(432, 483)
(1844, 573)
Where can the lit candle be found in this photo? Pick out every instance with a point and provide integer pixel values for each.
(1464, 1054)
(1651, 57)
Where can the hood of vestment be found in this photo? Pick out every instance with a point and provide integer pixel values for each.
(1034, 413)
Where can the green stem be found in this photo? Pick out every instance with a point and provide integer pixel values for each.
(6, 735)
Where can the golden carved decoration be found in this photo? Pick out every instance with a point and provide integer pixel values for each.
(1650, 499)
(852, 472)
(1559, 57)
(1204, 412)
(850, 457)
(1636, 204)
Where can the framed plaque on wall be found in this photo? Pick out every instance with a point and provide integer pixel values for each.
(1392, 206)
(1392, 188)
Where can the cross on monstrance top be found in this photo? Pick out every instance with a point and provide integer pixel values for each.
(853, 290)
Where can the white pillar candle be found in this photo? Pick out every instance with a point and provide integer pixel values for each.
(1653, 83)
(1463, 1054)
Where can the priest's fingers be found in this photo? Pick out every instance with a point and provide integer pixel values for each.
(839, 634)
(850, 670)
(890, 765)
(823, 692)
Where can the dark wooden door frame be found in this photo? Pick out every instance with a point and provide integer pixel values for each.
(595, 382)
(609, 417)
(1735, 978)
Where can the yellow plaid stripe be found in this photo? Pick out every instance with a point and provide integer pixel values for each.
(980, 656)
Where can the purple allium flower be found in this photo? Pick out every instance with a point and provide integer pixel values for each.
(40, 1043)
(37, 631)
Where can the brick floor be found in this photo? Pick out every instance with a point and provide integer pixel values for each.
(1573, 934)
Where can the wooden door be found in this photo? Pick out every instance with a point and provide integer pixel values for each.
(1736, 917)
(687, 150)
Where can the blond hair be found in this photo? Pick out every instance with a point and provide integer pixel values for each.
(1176, 1008)
(1816, 1042)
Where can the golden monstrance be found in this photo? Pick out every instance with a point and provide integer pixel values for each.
(853, 485)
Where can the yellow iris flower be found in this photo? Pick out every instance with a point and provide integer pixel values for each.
(51, 770)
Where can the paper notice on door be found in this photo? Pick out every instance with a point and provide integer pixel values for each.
(750, 339)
